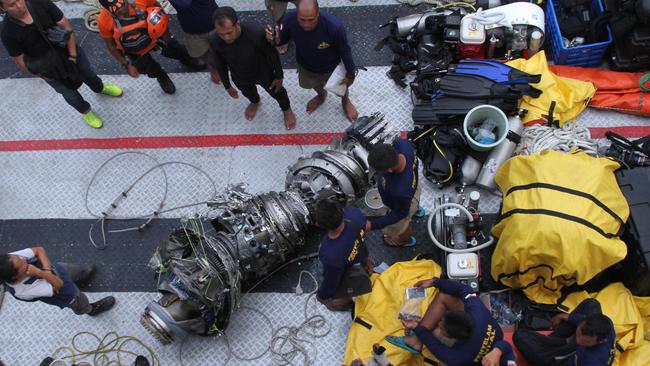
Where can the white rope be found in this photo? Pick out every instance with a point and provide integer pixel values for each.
(537, 138)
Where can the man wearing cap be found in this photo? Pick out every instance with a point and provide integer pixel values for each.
(121, 16)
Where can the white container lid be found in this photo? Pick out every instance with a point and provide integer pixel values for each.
(462, 265)
(471, 31)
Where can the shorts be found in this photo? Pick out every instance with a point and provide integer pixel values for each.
(279, 8)
(197, 44)
(311, 80)
(400, 226)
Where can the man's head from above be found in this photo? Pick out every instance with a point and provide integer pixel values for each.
(226, 24)
(383, 158)
(308, 12)
(116, 7)
(12, 268)
(328, 214)
(456, 325)
(15, 8)
(593, 331)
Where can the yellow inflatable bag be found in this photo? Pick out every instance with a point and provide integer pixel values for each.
(571, 96)
(376, 312)
(560, 221)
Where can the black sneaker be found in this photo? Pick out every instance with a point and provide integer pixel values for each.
(194, 64)
(102, 305)
(166, 84)
(141, 361)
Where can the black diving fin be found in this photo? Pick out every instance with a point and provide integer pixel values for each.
(496, 71)
(475, 86)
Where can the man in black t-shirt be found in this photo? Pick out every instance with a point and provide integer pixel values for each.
(62, 69)
(243, 49)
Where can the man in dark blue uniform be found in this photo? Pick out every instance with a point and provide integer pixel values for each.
(321, 44)
(341, 248)
(457, 328)
(585, 337)
(397, 180)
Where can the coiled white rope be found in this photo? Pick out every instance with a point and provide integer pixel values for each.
(536, 138)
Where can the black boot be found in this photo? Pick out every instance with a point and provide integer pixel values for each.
(102, 305)
(141, 361)
(166, 83)
(193, 63)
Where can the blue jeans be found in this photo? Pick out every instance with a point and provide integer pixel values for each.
(89, 77)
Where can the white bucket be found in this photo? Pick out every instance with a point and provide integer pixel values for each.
(373, 199)
(476, 116)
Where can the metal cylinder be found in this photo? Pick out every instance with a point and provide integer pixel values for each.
(535, 42)
(412, 23)
(470, 170)
(492, 47)
(474, 197)
(500, 154)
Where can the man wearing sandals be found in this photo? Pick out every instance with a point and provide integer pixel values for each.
(457, 328)
(242, 49)
(397, 181)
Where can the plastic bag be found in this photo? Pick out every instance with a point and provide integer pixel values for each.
(410, 310)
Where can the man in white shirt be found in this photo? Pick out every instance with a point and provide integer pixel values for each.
(29, 275)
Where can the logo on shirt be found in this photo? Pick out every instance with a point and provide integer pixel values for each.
(323, 45)
(487, 343)
(355, 247)
(383, 183)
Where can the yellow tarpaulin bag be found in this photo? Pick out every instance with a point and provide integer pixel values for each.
(571, 96)
(630, 316)
(560, 220)
(376, 312)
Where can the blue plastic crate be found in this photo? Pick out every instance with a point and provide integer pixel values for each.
(587, 55)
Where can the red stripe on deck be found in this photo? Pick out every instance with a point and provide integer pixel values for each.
(169, 142)
(166, 142)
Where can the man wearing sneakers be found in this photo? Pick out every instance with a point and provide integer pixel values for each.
(122, 21)
(29, 275)
(24, 35)
(397, 181)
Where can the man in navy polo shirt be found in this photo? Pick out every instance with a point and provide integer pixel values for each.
(397, 181)
(321, 44)
(195, 18)
(585, 337)
(341, 247)
(29, 275)
(457, 328)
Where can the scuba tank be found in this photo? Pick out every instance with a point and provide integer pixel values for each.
(501, 153)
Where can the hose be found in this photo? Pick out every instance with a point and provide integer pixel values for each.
(469, 217)
(109, 344)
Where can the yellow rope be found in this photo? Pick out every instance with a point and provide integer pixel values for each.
(111, 343)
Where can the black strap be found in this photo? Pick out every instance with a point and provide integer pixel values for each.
(562, 215)
(429, 361)
(569, 191)
(38, 24)
(363, 323)
(514, 137)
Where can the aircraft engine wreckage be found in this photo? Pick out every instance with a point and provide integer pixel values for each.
(200, 276)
